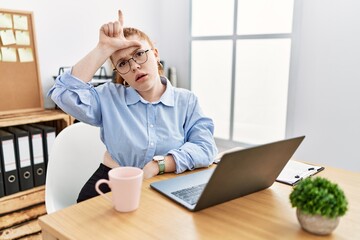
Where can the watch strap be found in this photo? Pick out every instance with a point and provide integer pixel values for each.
(161, 163)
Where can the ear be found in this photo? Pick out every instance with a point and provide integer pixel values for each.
(156, 53)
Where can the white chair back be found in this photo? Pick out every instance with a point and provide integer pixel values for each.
(75, 155)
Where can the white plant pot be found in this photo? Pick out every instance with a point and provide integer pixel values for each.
(317, 224)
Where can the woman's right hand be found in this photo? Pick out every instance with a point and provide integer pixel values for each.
(112, 36)
(111, 40)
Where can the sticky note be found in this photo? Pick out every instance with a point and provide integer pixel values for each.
(8, 54)
(5, 20)
(25, 54)
(22, 37)
(7, 37)
(20, 22)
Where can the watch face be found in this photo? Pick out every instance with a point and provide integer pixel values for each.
(158, 158)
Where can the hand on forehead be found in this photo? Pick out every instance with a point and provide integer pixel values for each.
(129, 52)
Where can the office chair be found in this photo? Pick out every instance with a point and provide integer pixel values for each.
(75, 155)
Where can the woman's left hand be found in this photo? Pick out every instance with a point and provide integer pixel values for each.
(151, 169)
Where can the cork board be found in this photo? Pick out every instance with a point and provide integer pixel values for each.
(20, 84)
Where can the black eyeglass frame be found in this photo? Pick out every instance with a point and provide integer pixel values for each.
(132, 58)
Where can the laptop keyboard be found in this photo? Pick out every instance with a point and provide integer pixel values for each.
(190, 195)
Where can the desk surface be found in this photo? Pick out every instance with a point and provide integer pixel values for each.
(263, 215)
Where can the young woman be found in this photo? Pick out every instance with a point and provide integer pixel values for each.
(145, 122)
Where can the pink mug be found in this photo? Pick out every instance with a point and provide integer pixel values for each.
(125, 184)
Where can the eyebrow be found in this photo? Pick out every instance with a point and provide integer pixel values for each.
(131, 55)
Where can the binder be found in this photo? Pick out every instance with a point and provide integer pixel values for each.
(38, 153)
(23, 158)
(48, 136)
(2, 187)
(8, 163)
(295, 171)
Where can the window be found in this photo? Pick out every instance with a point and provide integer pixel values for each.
(240, 59)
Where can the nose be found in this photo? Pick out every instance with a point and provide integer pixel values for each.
(134, 65)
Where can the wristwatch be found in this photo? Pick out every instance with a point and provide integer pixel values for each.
(161, 162)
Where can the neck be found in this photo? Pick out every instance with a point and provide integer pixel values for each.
(154, 93)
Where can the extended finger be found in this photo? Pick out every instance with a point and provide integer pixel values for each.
(117, 29)
(121, 17)
(110, 29)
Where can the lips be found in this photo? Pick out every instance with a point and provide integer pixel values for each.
(139, 76)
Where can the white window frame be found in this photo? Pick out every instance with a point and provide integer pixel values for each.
(234, 37)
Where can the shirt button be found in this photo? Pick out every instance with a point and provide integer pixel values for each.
(152, 144)
(151, 125)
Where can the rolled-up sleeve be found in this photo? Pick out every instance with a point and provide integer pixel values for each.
(77, 98)
(199, 150)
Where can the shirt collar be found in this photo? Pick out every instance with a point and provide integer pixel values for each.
(132, 96)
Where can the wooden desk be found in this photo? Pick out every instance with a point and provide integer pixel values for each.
(263, 215)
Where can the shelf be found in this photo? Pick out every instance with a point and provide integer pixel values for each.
(55, 118)
(19, 211)
(33, 117)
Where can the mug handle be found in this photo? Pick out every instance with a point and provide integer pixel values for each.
(97, 185)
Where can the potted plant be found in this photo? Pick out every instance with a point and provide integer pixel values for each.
(319, 204)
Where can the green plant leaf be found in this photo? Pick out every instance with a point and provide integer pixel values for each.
(319, 196)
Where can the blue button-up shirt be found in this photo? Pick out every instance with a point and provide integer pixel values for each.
(133, 129)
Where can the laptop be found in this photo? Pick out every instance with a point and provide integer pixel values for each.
(237, 174)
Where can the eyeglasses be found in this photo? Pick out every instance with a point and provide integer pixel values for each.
(140, 57)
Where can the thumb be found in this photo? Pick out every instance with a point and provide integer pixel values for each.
(132, 43)
(121, 17)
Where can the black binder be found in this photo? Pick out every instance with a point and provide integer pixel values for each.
(48, 134)
(8, 163)
(23, 157)
(2, 187)
(36, 154)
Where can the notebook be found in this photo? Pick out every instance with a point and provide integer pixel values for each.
(295, 171)
(237, 174)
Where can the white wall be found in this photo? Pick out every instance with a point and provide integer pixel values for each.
(66, 30)
(175, 42)
(324, 94)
